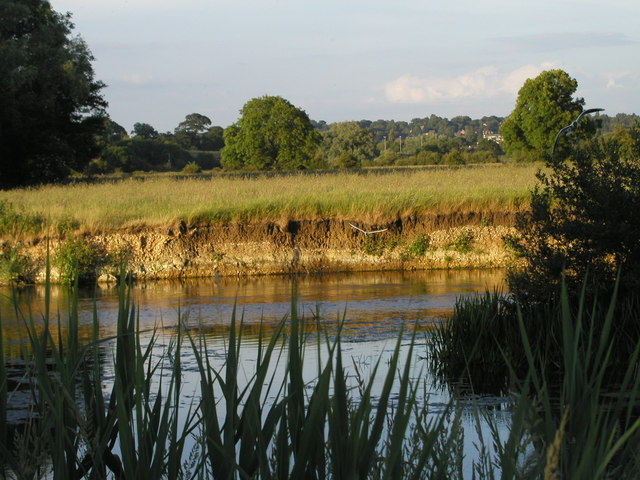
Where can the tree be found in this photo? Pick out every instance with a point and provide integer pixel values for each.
(189, 132)
(51, 108)
(144, 131)
(213, 139)
(347, 144)
(271, 134)
(584, 221)
(491, 146)
(114, 132)
(544, 105)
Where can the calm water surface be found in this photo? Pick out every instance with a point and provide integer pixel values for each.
(374, 307)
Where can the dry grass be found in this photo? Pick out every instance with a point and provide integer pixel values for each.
(366, 195)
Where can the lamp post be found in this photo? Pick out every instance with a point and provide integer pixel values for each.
(572, 126)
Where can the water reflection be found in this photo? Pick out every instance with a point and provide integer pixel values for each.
(373, 305)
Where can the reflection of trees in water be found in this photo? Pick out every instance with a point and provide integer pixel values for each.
(211, 301)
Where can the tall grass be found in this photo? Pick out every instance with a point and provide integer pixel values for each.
(287, 427)
(366, 195)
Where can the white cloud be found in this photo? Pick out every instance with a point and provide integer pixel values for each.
(617, 80)
(486, 82)
(138, 79)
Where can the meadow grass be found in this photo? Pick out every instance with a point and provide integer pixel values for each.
(373, 195)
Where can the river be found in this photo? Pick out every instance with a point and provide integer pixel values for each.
(373, 306)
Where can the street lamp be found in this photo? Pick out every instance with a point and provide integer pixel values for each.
(572, 126)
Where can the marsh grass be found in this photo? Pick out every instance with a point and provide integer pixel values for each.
(272, 427)
(574, 368)
(367, 195)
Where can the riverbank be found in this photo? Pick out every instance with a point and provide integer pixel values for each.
(433, 218)
(184, 250)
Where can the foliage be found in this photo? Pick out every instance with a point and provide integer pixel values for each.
(347, 145)
(544, 106)
(15, 224)
(584, 220)
(144, 131)
(463, 243)
(454, 157)
(139, 154)
(271, 134)
(192, 167)
(196, 133)
(79, 261)
(491, 146)
(419, 246)
(51, 108)
(15, 267)
(373, 245)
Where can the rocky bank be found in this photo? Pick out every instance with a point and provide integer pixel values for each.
(307, 246)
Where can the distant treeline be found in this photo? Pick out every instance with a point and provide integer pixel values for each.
(195, 144)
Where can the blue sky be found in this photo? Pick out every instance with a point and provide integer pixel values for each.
(352, 59)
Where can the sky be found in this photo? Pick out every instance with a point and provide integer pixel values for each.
(342, 60)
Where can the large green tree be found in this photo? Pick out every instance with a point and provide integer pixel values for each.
(545, 104)
(271, 134)
(51, 108)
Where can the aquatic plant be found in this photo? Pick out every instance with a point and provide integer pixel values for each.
(270, 426)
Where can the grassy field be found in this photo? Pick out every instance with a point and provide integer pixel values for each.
(372, 195)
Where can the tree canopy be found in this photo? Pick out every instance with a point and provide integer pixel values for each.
(196, 133)
(545, 104)
(144, 131)
(347, 144)
(271, 134)
(51, 108)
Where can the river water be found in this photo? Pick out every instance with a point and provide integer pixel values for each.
(374, 307)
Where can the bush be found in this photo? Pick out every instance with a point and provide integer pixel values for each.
(15, 267)
(419, 246)
(584, 221)
(463, 242)
(192, 167)
(79, 260)
(388, 157)
(454, 157)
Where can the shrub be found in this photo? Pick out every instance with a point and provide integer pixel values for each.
(15, 267)
(463, 242)
(373, 245)
(79, 260)
(454, 157)
(584, 221)
(192, 167)
(419, 246)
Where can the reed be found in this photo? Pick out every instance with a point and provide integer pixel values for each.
(271, 426)
(369, 194)
(574, 373)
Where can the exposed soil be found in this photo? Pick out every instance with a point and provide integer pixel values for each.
(311, 246)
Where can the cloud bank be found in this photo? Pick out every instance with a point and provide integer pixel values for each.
(481, 84)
